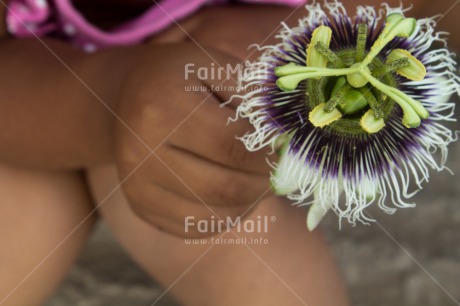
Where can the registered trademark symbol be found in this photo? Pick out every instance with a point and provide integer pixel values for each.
(272, 218)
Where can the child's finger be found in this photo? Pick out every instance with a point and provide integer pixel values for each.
(207, 133)
(199, 179)
(173, 213)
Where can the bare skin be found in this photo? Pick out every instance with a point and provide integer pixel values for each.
(46, 144)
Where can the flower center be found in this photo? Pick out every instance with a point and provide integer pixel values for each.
(350, 88)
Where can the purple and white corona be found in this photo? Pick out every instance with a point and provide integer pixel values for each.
(355, 106)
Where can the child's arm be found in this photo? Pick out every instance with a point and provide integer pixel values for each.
(49, 113)
(48, 118)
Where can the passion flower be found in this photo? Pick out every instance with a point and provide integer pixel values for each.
(354, 106)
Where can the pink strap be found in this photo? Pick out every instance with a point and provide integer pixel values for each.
(28, 17)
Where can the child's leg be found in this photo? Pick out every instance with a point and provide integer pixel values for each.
(295, 268)
(37, 211)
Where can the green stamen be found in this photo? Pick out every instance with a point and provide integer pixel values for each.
(373, 103)
(398, 64)
(361, 42)
(332, 58)
(391, 66)
(338, 93)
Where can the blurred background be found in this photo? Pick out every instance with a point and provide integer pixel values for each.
(407, 259)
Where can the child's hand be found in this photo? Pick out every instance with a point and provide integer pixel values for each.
(197, 166)
(233, 29)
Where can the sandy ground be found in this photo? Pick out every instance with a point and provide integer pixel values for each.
(411, 258)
